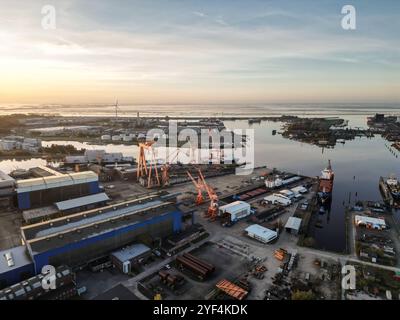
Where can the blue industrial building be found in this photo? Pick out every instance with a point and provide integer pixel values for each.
(19, 266)
(38, 192)
(76, 239)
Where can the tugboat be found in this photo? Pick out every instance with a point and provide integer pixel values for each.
(325, 186)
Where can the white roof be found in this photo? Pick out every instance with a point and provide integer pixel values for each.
(299, 189)
(261, 231)
(371, 220)
(55, 181)
(277, 197)
(234, 206)
(82, 201)
(6, 180)
(293, 223)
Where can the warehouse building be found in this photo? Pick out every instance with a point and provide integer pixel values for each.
(82, 203)
(77, 239)
(38, 192)
(278, 198)
(7, 186)
(130, 256)
(98, 156)
(15, 266)
(261, 234)
(293, 225)
(236, 210)
(20, 143)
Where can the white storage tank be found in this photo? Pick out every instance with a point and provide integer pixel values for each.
(105, 137)
(116, 138)
(127, 138)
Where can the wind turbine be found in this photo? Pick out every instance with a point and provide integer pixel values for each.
(116, 109)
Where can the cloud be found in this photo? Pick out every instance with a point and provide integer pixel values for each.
(174, 50)
(199, 14)
(221, 21)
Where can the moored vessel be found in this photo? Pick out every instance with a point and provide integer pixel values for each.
(325, 186)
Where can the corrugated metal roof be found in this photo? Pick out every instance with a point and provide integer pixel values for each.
(234, 206)
(131, 252)
(5, 177)
(82, 201)
(39, 213)
(260, 231)
(50, 170)
(6, 180)
(83, 175)
(30, 182)
(293, 223)
(97, 218)
(55, 181)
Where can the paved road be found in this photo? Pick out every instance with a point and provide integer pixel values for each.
(342, 257)
(132, 282)
(217, 233)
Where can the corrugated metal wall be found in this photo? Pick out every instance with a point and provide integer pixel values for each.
(16, 275)
(87, 249)
(47, 197)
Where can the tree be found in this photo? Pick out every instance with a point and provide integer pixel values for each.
(303, 295)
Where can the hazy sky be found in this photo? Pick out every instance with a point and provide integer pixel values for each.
(199, 52)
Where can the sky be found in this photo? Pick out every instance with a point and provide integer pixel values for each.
(186, 51)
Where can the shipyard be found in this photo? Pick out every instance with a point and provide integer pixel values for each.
(138, 228)
(198, 158)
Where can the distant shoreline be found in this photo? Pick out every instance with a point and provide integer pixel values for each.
(196, 111)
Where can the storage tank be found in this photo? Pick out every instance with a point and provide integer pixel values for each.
(116, 138)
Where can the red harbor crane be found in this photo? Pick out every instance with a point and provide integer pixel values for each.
(201, 186)
(143, 170)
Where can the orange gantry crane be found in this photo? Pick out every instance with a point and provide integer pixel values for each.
(165, 169)
(201, 186)
(147, 171)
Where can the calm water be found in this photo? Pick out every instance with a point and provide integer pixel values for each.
(358, 164)
(203, 110)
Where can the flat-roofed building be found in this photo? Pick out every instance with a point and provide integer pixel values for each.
(293, 225)
(7, 184)
(261, 234)
(15, 265)
(129, 256)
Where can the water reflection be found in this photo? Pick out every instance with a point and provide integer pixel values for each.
(358, 164)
